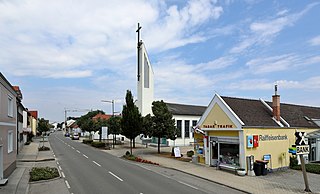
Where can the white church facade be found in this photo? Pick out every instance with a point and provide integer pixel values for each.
(186, 116)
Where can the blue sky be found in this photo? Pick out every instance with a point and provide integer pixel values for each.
(73, 54)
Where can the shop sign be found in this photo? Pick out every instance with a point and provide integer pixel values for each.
(302, 149)
(217, 126)
(300, 138)
(272, 138)
(250, 141)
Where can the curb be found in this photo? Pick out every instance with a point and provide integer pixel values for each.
(44, 181)
(37, 160)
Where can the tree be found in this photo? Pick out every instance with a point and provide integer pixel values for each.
(85, 121)
(43, 125)
(131, 122)
(147, 124)
(114, 127)
(163, 123)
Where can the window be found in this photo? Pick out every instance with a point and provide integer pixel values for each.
(10, 141)
(194, 123)
(179, 127)
(186, 128)
(229, 154)
(10, 106)
(146, 72)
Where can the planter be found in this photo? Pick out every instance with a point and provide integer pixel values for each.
(241, 172)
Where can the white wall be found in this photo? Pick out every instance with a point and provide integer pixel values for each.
(182, 141)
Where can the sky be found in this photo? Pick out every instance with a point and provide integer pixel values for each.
(70, 55)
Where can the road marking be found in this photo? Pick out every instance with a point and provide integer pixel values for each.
(96, 163)
(68, 145)
(63, 175)
(60, 168)
(72, 147)
(188, 185)
(67, 184)
(85, 156)
(115, 176)
(57, 162)
(78, 151)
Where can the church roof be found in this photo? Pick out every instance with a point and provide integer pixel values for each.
(184, 109)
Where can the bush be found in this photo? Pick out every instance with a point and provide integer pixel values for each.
(190, 153)
(312, 168)
(43, 173)
(27, 143)
(87, 141)
(98, 144)
(43, 148)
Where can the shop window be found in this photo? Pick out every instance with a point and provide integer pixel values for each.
(186, 128)
(179, 127)
(229, 154)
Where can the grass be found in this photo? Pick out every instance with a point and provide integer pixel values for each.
(43, 173)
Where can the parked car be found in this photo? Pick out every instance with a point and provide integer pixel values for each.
(67, 134)
(75, 136)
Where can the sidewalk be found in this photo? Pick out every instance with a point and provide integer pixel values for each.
(286, 181)
(27, 158)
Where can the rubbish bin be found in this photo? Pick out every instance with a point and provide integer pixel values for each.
(257, 168)
(264, 166)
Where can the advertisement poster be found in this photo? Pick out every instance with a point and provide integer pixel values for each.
(250, 141)
(255, 141)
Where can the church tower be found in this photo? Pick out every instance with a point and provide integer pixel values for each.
(145, 84)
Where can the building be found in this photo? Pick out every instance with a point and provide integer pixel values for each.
(8, 129)
(234, 128)
(186, 116)
(21, 133)
(33, 119)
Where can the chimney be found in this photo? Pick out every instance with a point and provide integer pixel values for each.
(276, 104)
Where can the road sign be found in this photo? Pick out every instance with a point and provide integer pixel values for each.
(300, 138)
(303, 149)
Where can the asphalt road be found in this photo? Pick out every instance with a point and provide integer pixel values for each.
(88, 170)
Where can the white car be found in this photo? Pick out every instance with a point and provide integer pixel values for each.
(75, 136)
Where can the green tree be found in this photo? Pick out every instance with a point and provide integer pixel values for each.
(147, 124)
(86, 123)
(131, 122)
(163, 123)
(114, 127)
(43, 125)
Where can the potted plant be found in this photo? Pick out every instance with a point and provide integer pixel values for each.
(241, 171)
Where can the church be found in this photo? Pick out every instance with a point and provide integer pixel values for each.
(186, 116)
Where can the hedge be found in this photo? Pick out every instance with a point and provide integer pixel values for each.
(98, 144)
(43, 173)
(87, 141)
(312, 168)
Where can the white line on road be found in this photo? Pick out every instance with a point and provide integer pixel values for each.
(85, 156)
(72, 147)
(78, 151)
(60, 168)
(63, 175)
(57, 162)
(96, 163)
(115, 176)
(67, 184)
(188, 185)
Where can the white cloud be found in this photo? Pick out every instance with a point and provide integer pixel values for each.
(65, 36)
(315, 41)
(264, 32)
(280, 63)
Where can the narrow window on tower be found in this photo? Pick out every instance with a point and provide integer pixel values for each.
(146, 72)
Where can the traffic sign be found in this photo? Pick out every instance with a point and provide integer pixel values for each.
(303, 149)
(300, 138)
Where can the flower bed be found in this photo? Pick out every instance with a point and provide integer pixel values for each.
(138, 159)
(43, 173)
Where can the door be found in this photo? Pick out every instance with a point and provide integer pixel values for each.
(1, 162)
(214, 152)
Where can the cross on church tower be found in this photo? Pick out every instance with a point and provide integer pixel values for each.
(138, 46)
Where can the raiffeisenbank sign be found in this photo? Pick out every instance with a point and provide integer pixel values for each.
(272, 137)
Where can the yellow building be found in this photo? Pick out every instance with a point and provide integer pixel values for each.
(234, 128)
